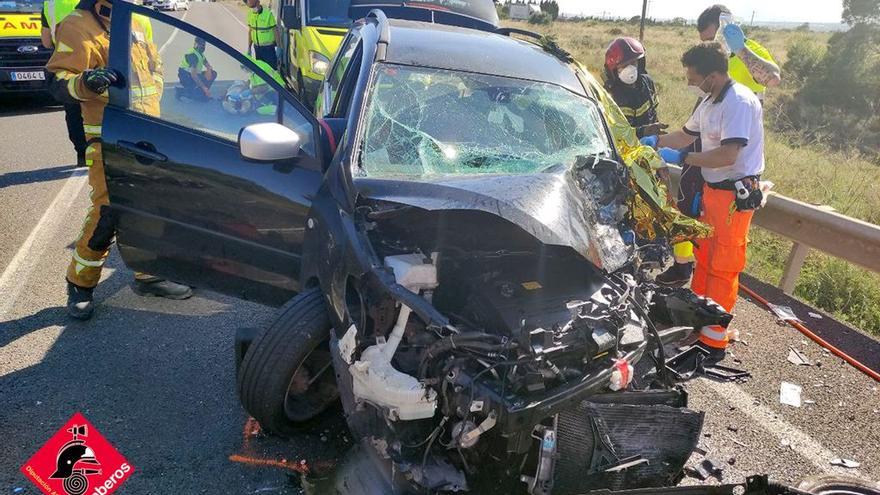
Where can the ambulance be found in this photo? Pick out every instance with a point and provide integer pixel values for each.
(22, 56)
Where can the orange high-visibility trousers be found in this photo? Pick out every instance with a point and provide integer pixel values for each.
(720, 258)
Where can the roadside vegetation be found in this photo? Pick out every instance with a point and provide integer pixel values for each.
(822, 133)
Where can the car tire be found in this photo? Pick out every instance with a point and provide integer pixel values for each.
(838, 485)
(287, 377)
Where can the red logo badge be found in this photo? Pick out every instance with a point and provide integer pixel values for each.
(77, 460)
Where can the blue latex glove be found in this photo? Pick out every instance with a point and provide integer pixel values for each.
(670, 155)
(734, 37)
(649, 141)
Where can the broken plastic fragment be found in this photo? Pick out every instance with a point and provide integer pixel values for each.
(797, 357)
(847, 463)
(784, 313)
(790, 394)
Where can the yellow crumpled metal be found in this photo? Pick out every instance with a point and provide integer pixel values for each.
(652, 214)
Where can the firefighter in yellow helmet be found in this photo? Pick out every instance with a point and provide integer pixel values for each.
(79, 65)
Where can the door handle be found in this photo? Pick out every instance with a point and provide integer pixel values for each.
(142, 150)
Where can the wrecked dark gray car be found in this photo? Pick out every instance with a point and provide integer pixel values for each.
(491, 328)
(457, 232)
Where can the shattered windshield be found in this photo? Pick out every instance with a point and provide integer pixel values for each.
(328, 12)
(20, 6)
(424, 123)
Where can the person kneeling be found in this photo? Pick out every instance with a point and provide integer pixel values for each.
(196, 74)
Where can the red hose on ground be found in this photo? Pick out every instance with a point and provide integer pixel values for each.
(819, 340)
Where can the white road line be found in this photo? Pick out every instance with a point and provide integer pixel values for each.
(233, 16)
(769, 421)
(173, 34)
(31, 253)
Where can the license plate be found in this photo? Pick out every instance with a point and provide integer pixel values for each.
(29, 76)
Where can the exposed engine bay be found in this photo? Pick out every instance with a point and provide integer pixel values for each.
(548, 376)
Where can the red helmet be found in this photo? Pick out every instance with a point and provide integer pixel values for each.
(622, 51)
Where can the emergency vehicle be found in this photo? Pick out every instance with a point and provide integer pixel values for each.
(311, 31)
(22, 56)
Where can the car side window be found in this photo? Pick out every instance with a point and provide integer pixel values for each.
(340, 106)
(334, 78)
(179, 78)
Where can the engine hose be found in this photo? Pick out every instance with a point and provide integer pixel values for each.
(451, 342)
(819, 340)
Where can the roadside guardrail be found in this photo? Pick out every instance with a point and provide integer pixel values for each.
(814, 227)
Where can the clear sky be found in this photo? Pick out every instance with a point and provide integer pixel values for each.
(765, 10)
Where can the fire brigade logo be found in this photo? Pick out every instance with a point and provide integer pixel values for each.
(77, 460)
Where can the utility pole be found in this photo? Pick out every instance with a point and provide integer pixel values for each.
(642, 23)
(752, 22)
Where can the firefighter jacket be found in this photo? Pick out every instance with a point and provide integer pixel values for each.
(638, 101)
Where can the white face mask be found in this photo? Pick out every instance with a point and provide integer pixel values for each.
(628, 74)
(697, 89)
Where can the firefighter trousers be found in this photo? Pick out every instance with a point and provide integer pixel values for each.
(98, 228)
(73, 118)
(722, 257)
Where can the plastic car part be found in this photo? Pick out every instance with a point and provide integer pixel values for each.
(542, 482)
(374, 379)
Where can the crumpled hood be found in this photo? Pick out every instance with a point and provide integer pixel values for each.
(559, 208)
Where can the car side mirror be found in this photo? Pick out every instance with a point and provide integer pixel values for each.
(290, 16)
(268, 142)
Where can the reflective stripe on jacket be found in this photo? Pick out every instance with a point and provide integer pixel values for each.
(200, 60)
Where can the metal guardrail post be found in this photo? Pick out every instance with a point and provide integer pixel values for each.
(793, 267)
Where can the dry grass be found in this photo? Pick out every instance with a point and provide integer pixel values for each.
(807, 171)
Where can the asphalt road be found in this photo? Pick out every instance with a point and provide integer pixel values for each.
(156, 377)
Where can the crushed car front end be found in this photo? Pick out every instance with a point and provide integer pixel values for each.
(493, 331)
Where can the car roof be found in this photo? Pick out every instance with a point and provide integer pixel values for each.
(442, 46)
(475, 13)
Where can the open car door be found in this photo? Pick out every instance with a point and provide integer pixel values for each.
(198, 194)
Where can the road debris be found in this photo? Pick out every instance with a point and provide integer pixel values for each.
(847, 463)
(797, 357)
(733, 334)
(784, 313)
(790, 394)
(815, 315)
(707, 468)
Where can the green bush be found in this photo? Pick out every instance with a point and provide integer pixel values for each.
(540, 18)
(847, 291)
(839, 100)
(804, 55)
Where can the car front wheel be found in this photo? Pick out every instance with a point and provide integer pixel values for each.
(286, 377)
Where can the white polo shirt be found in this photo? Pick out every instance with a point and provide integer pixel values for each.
(736, 116)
